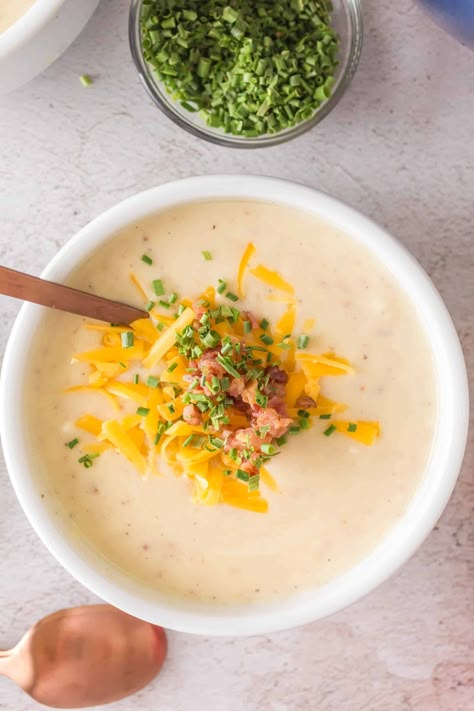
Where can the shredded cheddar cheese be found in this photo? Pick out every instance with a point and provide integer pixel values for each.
(246, 257)
(208, 390)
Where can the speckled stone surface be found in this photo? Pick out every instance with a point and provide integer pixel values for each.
(400, 148)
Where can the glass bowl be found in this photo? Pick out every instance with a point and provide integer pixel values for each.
(347, 21)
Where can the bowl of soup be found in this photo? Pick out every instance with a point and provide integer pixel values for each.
(34, 33)
(271, 443)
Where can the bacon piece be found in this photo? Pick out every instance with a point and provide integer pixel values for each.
(277, 374)
(208, 365)
(192, 415)
(278, 425)
(250, 317)
(305, 401)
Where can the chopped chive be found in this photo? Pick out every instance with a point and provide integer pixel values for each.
(181, 308)
(87, 460)
(266, 339)
(86, 80)
(160, 326)
(149, 306)
(261, 400)
(72, 443)
(143, 411)
(211, 339)
(122, 364)
(188, 440)
(136, 378)
(207, 255)
(254, 482)
(304, 423)
(164, 304)
(330, 430)
(147, 259)
(228, 366)
(303, 341)
(243, 476)
(303, 413)
(231, 296)
(281, 440)
(325, 417)
(173, 298)
(264, 324)
(294, 429)
(269, 449)
(158, 287)
(157, 438)
(216, 442)
(247, 326)
(128, 339)
(221, 287)
(172, 367)
(152, 381)
(352, 427)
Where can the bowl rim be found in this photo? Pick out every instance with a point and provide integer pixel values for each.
(398, 544)
(28, 25)
(229, 140)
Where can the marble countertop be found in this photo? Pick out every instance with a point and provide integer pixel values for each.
(400, 148)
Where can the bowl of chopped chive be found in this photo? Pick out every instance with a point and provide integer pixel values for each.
(244, 74)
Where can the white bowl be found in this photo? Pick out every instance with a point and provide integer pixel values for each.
(396, 547)
(39, 37)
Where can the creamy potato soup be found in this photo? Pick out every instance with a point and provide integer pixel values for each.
(11, 11)
(335, 499)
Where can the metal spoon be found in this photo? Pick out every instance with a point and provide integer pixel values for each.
(56, 296)
(85, 656)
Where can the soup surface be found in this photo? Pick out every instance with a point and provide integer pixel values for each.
(11, 11)
(336, 498)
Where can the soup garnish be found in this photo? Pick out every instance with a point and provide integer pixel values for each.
(212, 390)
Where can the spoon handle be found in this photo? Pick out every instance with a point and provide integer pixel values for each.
(5, 660)
(64, 298)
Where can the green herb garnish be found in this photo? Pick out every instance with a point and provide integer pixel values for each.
(303, 341)
(128, 339)
(73, 443)
(207, 255)
(86, 80)
(352, 427)
(143, 411)
(158, 287)
(87, 460)
(330, 430)
(147, 259)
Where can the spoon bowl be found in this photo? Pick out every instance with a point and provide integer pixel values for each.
(85, 656)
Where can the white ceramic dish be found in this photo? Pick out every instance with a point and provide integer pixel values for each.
(39, 37)
(400, 543)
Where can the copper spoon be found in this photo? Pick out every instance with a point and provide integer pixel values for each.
(64, 298)
(85, 656)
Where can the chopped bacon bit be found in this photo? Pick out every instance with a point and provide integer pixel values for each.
(250, 317)
(305, 402)
(192, 415)
(278, 424)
